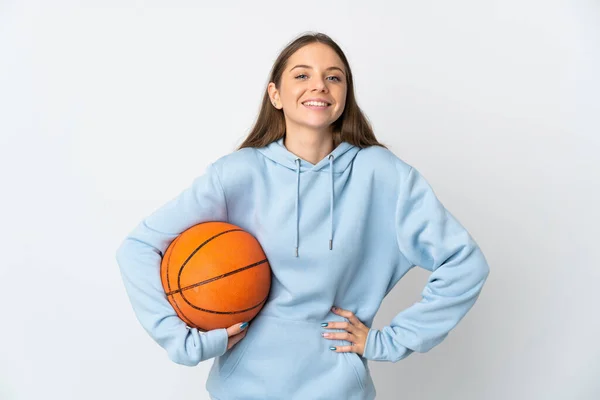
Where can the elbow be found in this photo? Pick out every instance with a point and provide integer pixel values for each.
(486, 271)
(121, 253)
(484, 267)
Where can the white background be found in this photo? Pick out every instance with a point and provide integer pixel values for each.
(108, 109)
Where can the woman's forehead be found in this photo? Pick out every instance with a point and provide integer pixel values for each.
(315, 55)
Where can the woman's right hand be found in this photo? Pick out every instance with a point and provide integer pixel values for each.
(236, 333)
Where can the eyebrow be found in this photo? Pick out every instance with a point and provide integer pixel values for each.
(309, 67)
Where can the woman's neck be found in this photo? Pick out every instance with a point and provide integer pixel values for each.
(311, 148)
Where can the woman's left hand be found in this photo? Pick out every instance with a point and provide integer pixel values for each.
(356, 332)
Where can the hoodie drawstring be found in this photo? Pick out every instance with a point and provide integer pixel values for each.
(297, 161)
(331, 201)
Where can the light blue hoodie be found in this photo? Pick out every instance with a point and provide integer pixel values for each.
(342, 232)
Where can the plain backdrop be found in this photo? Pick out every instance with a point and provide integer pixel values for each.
(108, 109)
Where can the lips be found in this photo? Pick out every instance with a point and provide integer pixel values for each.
(318, 100)
(316, 107)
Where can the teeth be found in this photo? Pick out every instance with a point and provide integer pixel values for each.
(315, 103)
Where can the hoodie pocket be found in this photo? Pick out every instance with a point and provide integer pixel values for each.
(359, 367)
(232, 357)
(290, 356)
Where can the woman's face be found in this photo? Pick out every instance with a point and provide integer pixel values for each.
(314, 71)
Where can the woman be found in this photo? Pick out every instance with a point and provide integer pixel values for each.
(341, 220)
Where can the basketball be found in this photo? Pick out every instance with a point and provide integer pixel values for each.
(215, 275)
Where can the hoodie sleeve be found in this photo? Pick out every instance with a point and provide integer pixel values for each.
(139, 257)
(430, 237)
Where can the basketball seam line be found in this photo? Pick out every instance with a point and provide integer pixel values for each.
(217, 277)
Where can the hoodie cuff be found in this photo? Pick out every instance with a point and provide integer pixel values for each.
(378, 347)
(372, 350)
(214, 343)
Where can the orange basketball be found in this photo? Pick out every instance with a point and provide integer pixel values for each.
(215, 274)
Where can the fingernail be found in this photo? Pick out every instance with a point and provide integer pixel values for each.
(325, 334)
(332, 348)
(333, 308)
(324, 324)
(244, 325)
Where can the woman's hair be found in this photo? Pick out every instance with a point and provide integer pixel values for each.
(352, 126)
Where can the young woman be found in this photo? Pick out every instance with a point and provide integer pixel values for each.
(341, 220)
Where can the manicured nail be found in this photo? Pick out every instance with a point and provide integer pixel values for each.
(333, 308)
(324, 324)
(244, 325)
(332, 348)
(325, 334)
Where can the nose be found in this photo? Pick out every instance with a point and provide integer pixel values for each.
(319, 85)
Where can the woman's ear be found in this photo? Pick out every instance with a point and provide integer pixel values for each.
(273, 94)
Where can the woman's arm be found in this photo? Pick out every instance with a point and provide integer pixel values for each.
(430, 237)
(139, 257)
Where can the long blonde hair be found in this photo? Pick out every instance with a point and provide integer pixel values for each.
(352, 126)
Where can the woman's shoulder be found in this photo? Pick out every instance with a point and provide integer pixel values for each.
(238, 159)
(238, 165)
(382, 159)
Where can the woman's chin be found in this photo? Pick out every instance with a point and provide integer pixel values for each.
(317, 125)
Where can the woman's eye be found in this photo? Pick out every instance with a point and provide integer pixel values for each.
(336, 78)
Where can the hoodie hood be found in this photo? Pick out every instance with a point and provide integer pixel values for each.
(335, 162)
(342, 155)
